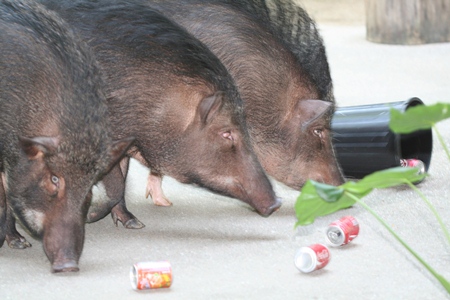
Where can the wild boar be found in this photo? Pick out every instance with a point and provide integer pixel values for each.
(174, 95)
(274, 52)
(54, 132)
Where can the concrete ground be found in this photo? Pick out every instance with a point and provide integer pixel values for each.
(220, 249)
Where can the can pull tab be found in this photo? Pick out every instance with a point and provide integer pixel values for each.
(334, 235)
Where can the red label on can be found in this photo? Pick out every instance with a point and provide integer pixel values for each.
(311, 258)
(348, 226)
(151, 275)
(322, 254)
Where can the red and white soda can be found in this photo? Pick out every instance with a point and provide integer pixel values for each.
(311, 258)
(151, 275)
(342, 231)
(414, 163)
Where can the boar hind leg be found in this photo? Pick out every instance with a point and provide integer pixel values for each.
(8, 229)
(154, 189)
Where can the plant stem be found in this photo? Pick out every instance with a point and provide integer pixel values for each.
(436, 214)
(440, 278)
(441, 140)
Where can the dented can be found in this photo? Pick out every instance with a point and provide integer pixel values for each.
(311, 258)
(342, 231)
(151, 275)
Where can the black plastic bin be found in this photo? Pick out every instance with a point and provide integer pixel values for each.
(364, 143)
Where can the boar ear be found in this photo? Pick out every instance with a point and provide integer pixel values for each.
(310, 111)
(118, 149)
(209, 106)
(39, 146)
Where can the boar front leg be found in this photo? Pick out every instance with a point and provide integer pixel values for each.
(14, 239)
(3, 212)
(114, 184)
(8, 229)
(154, 189)
(115, 189)
(122, 214)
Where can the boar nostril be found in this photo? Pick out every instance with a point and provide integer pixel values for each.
(273, 208)
(69, 266)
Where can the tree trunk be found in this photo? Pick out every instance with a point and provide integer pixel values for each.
(408, 22)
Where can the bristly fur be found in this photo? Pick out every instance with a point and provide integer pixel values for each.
(80, 109)
(292, 25)
(295, 29)
(152, 34)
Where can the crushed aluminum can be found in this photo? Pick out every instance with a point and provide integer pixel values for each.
(342, 231)
(151, 275)
(311, 258)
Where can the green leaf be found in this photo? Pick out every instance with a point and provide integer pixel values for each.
(327, 192)
(319, 199)
(418, 117)
(384, 179)
(310, 204)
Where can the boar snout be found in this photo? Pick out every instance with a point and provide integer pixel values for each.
(258, 191)
(63, 241)
(67, 266)
(64, 258)
(265, 212)
(259, 194)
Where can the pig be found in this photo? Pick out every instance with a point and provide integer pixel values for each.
(169, 91)
(54, 132)
(273, 51)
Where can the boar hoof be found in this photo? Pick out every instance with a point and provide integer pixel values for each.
(69, 266)
(134, 224)
(95, 215)
(128, 220)
(162, 201)
(18, 243)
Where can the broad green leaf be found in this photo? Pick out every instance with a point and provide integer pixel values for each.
(418, 117)
(310, 205)
(384, 179)
(327, 192)
(319, 199)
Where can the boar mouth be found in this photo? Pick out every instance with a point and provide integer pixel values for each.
(68, 266)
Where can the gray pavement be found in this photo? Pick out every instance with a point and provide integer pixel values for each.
(220, 249)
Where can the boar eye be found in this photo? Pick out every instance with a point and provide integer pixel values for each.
(227, 135)
(55, 180)
(318, 132)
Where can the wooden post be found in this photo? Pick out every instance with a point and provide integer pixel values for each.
(408, 22)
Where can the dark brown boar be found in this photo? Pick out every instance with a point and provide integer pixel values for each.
(274, 53)
(170, 92)
(54, 138)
